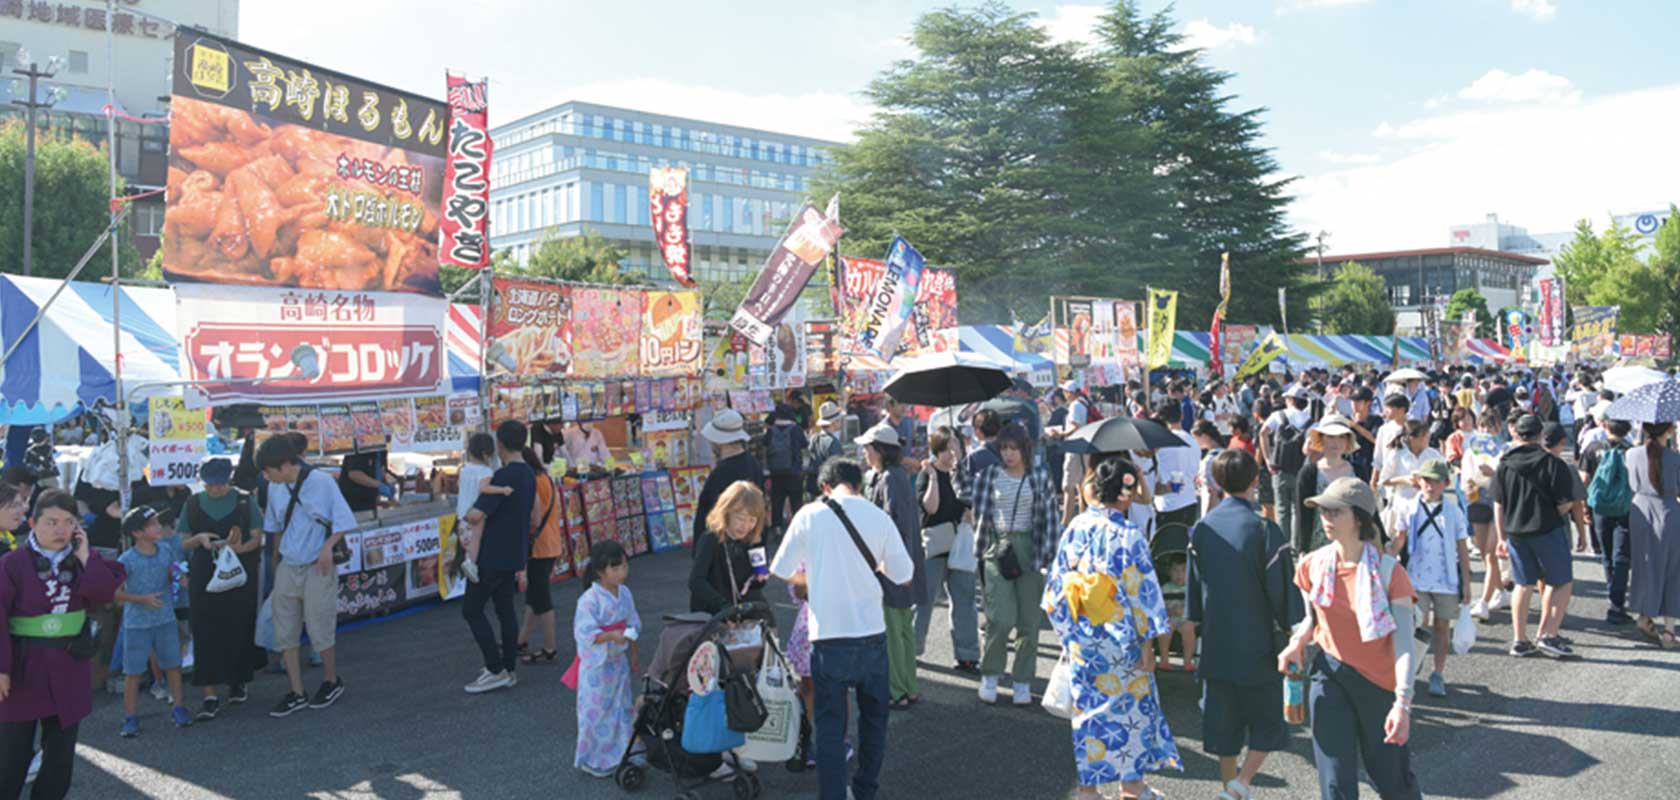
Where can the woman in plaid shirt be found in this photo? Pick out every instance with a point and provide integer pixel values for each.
(1014, 512)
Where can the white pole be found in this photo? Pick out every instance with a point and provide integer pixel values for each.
(116, 283)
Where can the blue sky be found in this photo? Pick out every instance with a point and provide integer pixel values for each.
(1400, 117)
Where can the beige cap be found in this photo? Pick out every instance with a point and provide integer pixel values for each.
(830, 413)
(880, 434)
(1334, 425)
(1346, 493)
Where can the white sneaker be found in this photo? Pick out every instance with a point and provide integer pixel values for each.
(487, 681)
(160, 693)
(747, 764)
(988, 690)
(722, 773)
(512, 679)
(1479, 611)
(1022, 695)
(469, 568)
(1498, 601)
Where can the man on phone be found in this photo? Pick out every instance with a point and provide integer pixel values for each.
(49, 584)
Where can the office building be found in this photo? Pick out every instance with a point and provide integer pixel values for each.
(581, 166)
(1416, 277)
(1492, 234)
(142, 45)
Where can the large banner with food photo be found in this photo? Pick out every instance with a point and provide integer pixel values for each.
(671, 333)
(606, 332)
(531, 324)
(285, 174)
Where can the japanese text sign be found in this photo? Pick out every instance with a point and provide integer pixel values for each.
(671, 333)
(806, 242)
(531, 323)
(668, 212)
(176, 448)
(464, 235)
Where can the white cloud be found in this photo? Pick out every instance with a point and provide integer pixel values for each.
(1345, 159)
(824, 115)
(1535, 85)
(1073, 23)
(1205, 35)
(1540, 10)
(1539, 165)
(1287, 6)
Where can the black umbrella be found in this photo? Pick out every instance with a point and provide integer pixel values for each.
(947, 379)
(1653, 402)
(1120, 434)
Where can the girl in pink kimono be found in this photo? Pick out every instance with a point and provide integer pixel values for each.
(606, 627)
(46, 587)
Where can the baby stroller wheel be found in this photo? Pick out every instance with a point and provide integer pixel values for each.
(747, 786)
(629, 777)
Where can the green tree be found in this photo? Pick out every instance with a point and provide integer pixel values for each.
(1356, 301)
(1468, 299)
(1606, 270)
(1665, 262)
(588, 258)
(721, 298)
(1581, 263)
(72, 205)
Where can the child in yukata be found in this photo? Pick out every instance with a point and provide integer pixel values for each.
(1173, 592)
(606, 627)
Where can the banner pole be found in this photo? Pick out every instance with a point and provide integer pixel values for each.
(485, 276)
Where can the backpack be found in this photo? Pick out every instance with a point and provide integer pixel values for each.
(1288, 448)
(1609, 494)
(1091, 412)
(779, 451)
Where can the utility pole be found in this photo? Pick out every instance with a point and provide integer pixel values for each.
(29, 69)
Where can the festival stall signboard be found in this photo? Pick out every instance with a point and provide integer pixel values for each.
(531, 326)
(1594, 333)
(668, 213)
(1551, 313)
(607, 328)
(886, 310)
(1237, 341)
(807, 241)
(1640, 345)
(464, 238)
(672, 331)
(1073, 332)
(282, 173)
(176, 446)
(360, 345)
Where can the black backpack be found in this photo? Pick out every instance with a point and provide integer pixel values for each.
(782, 457)
(1288, 452)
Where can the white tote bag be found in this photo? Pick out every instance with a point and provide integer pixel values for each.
(778, 738)
(1058, 696)
(230, 574)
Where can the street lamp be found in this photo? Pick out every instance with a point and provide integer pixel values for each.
(27, 67)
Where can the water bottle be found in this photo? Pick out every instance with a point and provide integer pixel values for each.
(1294, 697)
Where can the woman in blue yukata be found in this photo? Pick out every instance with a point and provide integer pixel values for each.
(1104, 601)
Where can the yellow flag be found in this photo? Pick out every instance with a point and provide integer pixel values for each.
(1163, 309)
(1264, 353)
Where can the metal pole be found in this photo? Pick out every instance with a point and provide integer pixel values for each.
(116, 276)
(485, 278)
(29, 178)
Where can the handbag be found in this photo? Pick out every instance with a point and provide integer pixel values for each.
(938, 540)
(265, 625)
(1058, 695)
(962, 558)
(743, 708)
(341, 548)
(1009, 564)
(778, 738)
(706, 718)
(229, 572)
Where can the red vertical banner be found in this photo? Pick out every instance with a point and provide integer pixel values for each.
(464, 235)
(668, 213)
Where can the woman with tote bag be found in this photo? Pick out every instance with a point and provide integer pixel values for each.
(949, 542)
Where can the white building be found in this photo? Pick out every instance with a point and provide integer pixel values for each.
(1493, 234)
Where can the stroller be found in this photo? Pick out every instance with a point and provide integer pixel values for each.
(659, 720)
(1169, 549)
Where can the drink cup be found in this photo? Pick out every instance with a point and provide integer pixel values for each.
(760, 562)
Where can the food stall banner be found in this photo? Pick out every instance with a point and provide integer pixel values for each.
(285, 174)
(933, 318)
(1592, 322)
(1073, 331)
(887, 309)
(464, 233)
(671, 333)
(726, 358)
(782, 364)
(531, 325)
(1552, 311)
(668, 212)
(1236, 341)
(176, 445)
(364, 345)
(1638, 345)
(808, 239)
(1163, 312)
(607, 330)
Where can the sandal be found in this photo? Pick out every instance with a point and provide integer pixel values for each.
(1234, 790)
(1648, 629)
(540, 657)
(1667, 641)
(900, 704)
(913, 699)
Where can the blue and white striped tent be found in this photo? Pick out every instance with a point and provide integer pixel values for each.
(997, 343)
(67, 361)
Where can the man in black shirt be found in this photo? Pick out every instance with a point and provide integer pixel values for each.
(362, 480)
(506, 515)
(1611, 529)
(1532, 492)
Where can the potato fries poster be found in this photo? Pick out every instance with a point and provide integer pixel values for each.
(532, 324)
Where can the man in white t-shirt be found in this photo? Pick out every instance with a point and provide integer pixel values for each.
(1175, 494)
(847, 629)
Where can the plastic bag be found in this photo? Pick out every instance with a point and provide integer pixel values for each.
(1058, 696)
(265, 625)
(229, 574)
(1464, 633)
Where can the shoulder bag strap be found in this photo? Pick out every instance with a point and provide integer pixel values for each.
(868, 557)
(292, 502)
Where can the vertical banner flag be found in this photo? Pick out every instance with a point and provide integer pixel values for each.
(1163, 312)
(1125, 332)
(1073, 332)
(1551, 312)
(1103, 338)
(668, 212)
(1264, 354)
(464, 231)
(1283, 308)
(1215, 332)
(808, 239)
(890, 302)
(1516, 323)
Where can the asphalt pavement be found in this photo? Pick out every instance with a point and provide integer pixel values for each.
(1604, 725)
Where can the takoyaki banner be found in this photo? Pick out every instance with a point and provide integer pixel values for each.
(285, 174)
(357, 345)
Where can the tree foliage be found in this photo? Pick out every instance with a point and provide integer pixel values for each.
(1468, 299)
(72, 205)
(1356, 301)
(1036, 168)
(588, 258)
(1605, 269)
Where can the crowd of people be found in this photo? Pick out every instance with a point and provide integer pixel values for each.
(1299, 531)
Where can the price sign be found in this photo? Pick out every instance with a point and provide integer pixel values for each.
(177, 443)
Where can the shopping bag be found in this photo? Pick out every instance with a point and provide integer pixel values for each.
(1464, 633)
(265, 625)
(1058, 696)
(706, 719)
(778, 738)
(229, 574)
